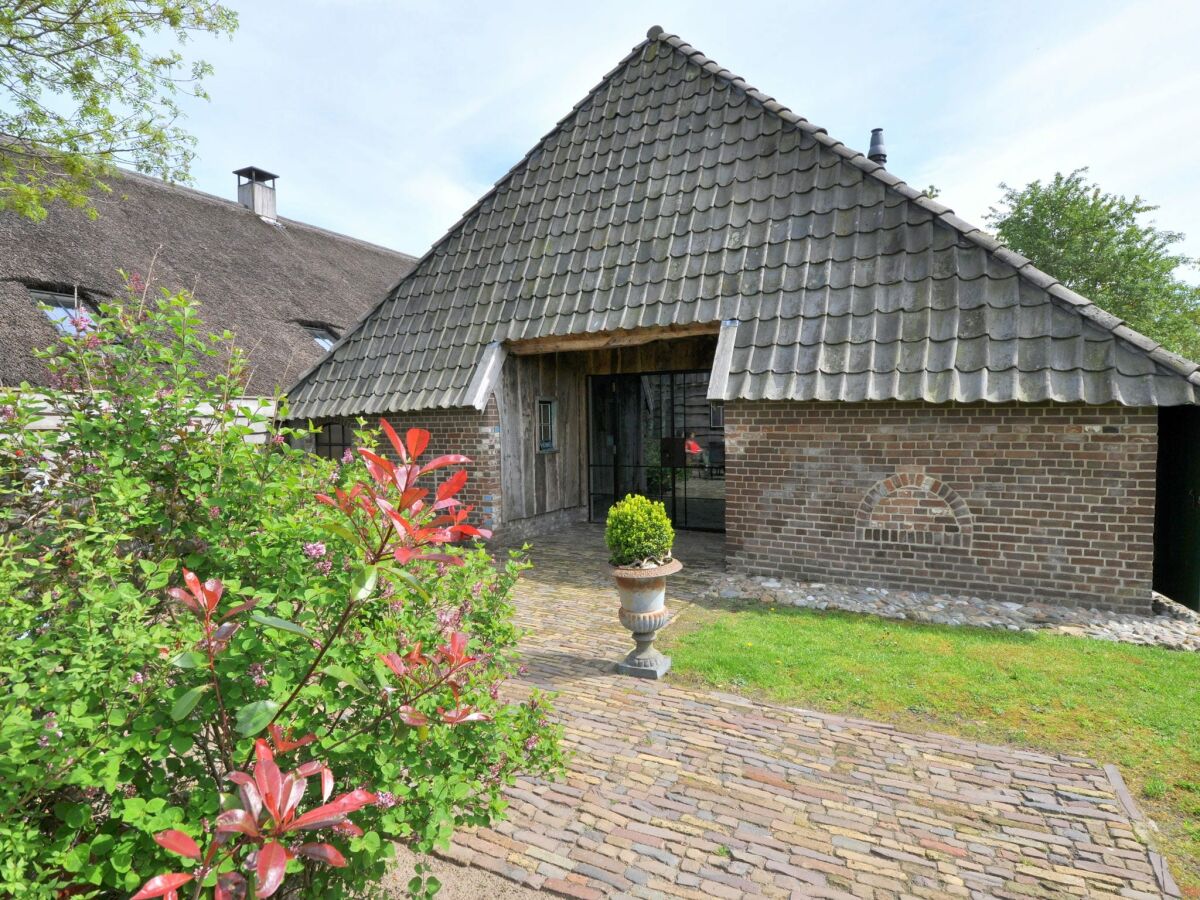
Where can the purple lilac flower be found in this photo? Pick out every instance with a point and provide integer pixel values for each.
(385, 799)
(477, 589)
(277, 439)
(257, 674)
(8, 412)
(325, 566)
(314, 550)
(347, 457)
(531, 742)
(137, 678)
(214, 512)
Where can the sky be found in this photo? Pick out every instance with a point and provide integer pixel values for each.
(387, 120)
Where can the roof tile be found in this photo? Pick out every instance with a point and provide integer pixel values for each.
(676, 193)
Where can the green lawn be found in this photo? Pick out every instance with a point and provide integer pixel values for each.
(1136, 706)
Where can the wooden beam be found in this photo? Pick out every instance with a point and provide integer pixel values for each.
(603, 340)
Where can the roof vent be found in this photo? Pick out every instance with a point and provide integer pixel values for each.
(878, 152)
(256, 191)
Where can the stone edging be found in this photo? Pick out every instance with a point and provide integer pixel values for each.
(1162, 872)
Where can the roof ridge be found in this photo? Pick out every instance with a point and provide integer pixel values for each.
(449, 232)
(234, 206)
(944, 214)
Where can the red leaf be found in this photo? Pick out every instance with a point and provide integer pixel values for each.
(394, 439)
(462, 714)
(192, 582)
(332, 813)
(417, 440)
(272, 861)
(410, 716)
(348, 828)
(237, 820)
(161, 885)
(325, 853)
(326, 499)
(461, 531)
(381, 469)
(212, 592)
(283, 740)
(395, 663)
(409, 498)
(267, 777)
(452, 485)
(178, 842)
(291, 794)
(312, 768)
(326, 783)
(184, 597)
(450, 459)
(251, 801)
(455, 652)
(249, 604)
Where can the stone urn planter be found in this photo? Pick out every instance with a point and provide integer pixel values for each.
(639, 537)
(643, 611)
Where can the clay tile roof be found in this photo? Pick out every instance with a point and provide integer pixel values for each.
(675, 193)
(262, 281)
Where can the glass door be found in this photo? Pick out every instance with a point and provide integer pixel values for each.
(659, 436)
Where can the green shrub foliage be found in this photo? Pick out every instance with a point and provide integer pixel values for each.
(337, 625)
(638, 531)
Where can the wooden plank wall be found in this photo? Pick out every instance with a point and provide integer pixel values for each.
(531, 482)
(534, 483)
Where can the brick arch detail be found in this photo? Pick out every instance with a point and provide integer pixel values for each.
(866, 530)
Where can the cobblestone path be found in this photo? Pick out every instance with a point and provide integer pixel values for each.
(689, 793)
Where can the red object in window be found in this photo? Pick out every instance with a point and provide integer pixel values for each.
(690, 446)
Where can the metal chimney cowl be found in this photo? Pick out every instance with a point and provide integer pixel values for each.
(878, 151)
(256, 191)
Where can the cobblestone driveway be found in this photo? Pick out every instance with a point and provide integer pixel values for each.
(678, 792)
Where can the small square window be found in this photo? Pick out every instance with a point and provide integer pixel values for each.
(333, 440)
(323, 336)
(69, 313)
(547, 426)
(716, 414)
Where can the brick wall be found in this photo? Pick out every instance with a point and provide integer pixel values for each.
(468, 431)
(1042, 502)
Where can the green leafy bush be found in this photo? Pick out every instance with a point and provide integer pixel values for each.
(638, 531)
(126, 701)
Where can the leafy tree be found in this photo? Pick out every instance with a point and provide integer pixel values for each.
(83, 85)
(1099, 245)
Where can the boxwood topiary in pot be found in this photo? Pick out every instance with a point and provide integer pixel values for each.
(639, 537)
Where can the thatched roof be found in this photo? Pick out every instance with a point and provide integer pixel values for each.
(675, 195)
(257, 279)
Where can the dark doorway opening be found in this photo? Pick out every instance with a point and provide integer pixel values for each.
(1177, 506)
(658, 435)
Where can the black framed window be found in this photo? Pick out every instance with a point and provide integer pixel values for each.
(333, 440)
(716, 414)
(547, 426)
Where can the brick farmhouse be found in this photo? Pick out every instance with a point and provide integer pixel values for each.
(687, 290)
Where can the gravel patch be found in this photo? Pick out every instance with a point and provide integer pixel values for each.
(1172, 626)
